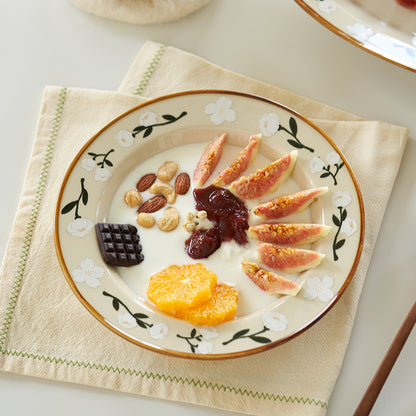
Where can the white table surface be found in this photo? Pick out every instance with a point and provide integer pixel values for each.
(49, 42)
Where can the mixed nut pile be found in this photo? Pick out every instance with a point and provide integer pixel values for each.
(159, 184)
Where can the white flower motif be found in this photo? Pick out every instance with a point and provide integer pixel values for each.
(269, 124)
(327, 6)
(102, 175)
(317, 288)
(333, 158)
(88, 273)
(126, 320)
(148, 118)
(158, 331)
(341, 199)
(275, 321)
(204, 347)
(221, 111)
(360, 32)
(316, 164)
(209, 333)
(124, 138)
(349, 226)
(88, 164)
(79, 227)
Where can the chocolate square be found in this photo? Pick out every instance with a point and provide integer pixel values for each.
(119, 244)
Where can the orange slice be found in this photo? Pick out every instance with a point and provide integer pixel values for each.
(220, 308)
(180, 287)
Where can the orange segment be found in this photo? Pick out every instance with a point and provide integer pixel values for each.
(180, 287)
(220, 308)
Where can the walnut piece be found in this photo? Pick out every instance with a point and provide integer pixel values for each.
(169, 220)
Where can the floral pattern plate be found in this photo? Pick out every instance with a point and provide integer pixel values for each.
(172, 126)
(381, 27)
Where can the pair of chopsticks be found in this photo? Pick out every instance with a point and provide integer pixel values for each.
(383, 371)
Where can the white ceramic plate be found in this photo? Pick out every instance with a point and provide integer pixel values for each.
(178, 127)
(381, 27)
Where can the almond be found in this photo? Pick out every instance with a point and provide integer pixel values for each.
(153, 204)
(145, 182)
(182, 183)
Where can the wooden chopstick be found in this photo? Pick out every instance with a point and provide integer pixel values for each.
(383, 371)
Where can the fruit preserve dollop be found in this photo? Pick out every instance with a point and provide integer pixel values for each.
(229, 215)
(410, 4)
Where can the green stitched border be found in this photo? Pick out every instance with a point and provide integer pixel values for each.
(32, 219)
(149, 71)
(172, 379)
(101, 367)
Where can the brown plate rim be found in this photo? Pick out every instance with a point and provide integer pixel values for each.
(335, 29)
(179, 354)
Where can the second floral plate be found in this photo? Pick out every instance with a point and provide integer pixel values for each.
(177, 128)
(385, 28)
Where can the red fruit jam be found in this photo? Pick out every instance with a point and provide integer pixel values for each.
(410, 4)
(227, 212)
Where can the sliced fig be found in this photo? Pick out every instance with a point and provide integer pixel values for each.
(265, 180)
(288, 259)
(269, 281)
(236, 169)
(294, 234)
(209, 160)
(288, 204)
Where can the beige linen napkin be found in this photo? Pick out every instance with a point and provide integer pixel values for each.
(142, 12)
(46, 332)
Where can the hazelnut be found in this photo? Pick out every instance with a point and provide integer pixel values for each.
(145, 220)
(133, 198)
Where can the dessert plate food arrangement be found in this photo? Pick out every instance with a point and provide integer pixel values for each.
(209, 224)
(385, 28)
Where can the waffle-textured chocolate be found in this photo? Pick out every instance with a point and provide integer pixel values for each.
(119, 244)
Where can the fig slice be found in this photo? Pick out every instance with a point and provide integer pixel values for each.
(265, 180)
(288, 259)
(294, 234)
(245, 157)
(209, 160)
(269, 281)
(288, 204)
